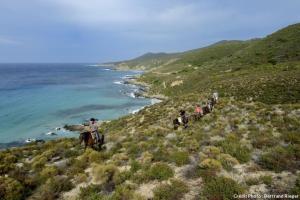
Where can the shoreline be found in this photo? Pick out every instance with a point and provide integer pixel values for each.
(141, 92)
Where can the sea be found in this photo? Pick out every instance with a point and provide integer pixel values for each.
(37, 100)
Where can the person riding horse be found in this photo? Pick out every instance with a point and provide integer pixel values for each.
(92, 137)
(94, 130)
(183, 119)
(198, 112)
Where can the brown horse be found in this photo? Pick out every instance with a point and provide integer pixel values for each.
(88, 140)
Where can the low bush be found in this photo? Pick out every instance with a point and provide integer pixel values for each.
(211, 151)
(292, 137)
(76, 166)
(252, 181)
(10, 189)
(39, 162)
(208, 168)
(180, 158)
(210, 163)
(49, 171)
(81, 177)
(281, 158)
(161, 155)
(173, 191)
(221, 188)
(104, 173)
(296, 189)
(53, 188)
(135, 166)
(235, 149)
(263, 139)
(91, 192)
(160, 171)
(266, 180)
(227, 161)
(125, 192)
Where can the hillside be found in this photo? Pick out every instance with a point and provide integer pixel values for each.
(249, 144)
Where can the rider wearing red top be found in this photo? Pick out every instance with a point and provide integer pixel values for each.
(198, 110)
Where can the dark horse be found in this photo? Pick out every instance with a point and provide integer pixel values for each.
(86, 137)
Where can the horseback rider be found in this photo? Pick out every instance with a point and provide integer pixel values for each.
(184, 118)
(210, 105)
(215, 96)
(94, 130)
(198, 110)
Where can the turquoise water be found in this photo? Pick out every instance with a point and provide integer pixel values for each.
(37, 98)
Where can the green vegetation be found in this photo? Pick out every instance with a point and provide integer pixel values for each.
(160, 171)
(173, 191)
(221, 188)
(281, 158)
(253, 130)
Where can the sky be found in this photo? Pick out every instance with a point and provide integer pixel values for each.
(94, 31)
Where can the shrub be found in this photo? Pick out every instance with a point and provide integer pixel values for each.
(133, 150)
(221, 188)
(173, 191)
(125, 192)
(296, 189)
(235, 149)
(135, 166)
(227, 161)
(10, 189)
(6, 167)
(252, 181)
(122, 177)
(147, 157)
(261, 139)
(47, 172)
(212, 151)
(39, 162)
(210, 163)
(104, 173)
(266, 180)
(160, 171)
(180, 158)
(53, 188)
(191, 144)
(280, 158)
(81, 177)
(161, 155)
(208, 168)
(292, 137)
(76, 166)
(91, 192)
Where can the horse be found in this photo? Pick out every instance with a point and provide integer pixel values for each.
(184, 120)
(206, 110)
(88, 140)
(197, 116)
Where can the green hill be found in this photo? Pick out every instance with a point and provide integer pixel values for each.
(249, 144)
(265, 70)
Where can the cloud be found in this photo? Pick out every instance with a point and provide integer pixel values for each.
(8, 41)
(134, 14)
